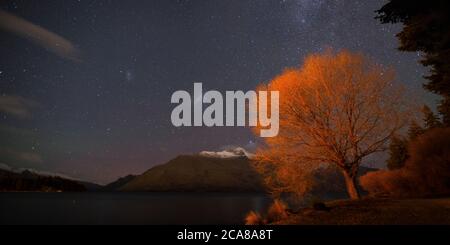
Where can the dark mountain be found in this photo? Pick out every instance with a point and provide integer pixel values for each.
(199, 173)
(119, 183)
(30, 181)
(90, 186)
(226, 171)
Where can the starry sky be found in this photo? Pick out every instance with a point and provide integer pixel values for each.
(85, 85)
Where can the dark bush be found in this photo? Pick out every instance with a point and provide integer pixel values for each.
(426, 172)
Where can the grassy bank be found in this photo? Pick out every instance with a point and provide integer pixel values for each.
(375, 212)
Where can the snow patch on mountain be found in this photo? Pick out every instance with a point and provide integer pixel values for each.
(228, 153)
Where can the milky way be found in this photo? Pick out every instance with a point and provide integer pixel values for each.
(108, 113)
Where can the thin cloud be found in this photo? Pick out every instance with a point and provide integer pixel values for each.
(17, 106)
(31, 157)
(4, 166)
(44, 38)
(20, 156)
(16, 131)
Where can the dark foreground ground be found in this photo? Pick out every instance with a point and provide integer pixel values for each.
(376, 212)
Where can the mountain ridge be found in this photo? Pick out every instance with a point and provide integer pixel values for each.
(30, 181)
(225, 171)
(199, 173)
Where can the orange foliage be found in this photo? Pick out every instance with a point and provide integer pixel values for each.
(335, 109)
(276, 212)
(254, 218)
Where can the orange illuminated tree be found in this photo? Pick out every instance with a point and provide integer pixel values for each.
(337, 109)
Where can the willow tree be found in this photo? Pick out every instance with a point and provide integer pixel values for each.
(338, 108)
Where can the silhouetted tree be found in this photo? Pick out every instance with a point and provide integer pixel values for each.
(398, 152)
(430, 119)
(398, 147)
(414, 130)
(426, 172)
(426, 29)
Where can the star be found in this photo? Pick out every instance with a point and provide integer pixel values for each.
(134, 56)
(129, 75)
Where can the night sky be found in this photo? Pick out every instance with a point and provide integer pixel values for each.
(95, 103)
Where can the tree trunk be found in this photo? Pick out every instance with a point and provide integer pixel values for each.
(352, 189)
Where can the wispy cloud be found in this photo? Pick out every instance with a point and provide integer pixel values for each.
(17, 106)
(20, 156)
(29, 157)
(5, 166)
(45, 38)
(15, 131)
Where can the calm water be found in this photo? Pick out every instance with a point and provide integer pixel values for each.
(128, 208)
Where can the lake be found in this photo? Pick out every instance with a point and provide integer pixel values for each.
(128, 208)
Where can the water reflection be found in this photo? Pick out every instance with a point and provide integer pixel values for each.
(128, 208)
